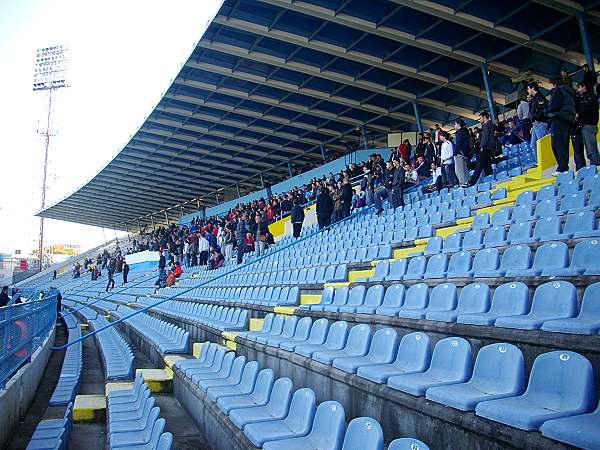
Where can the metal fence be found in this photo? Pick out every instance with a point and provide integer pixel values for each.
(23, 329)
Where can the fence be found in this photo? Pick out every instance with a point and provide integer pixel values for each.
(23, 329)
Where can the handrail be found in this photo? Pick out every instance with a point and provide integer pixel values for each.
(191, 288)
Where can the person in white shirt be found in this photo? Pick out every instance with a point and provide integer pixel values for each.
(447, 157)
(203, 248)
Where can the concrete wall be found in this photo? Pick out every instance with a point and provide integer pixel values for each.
(20, 390)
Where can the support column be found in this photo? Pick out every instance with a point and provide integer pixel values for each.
(290, 168)
(262, 181)
(237, 187)
(363, 132)
(585, 41)
(152, 220)
(323, 153)
(139, 228)
(488, 91)
(167, 218)
(417, 117)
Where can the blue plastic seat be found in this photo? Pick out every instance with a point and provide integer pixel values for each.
(548, 258)
(392, 301)
(546, 193)
(450, 364)
(452, 243)
(552, 300)
(472, 240)
(296, 423)
(373, 300)
(356, 298)
(437, 265)
(579, 431)
(301, 333)
(499, 372)
(561, 384)
(327, 431)
(416, 298)
(510, 299)
(382, 270)
(382, 350)
(495, 237)
(275, 328)
(502, 216)
(474, 298)
(316, 335)
(407, 444)
(584, 260)
(357, 344)
(547, 208)
(573, 202)
(520, 233)
(336, 339)
(581, 224)
(587, 172)
(568, 187)
(416, 268)
(224, 377)
(276, 408)
(433, 246)
(481, 221)
(460, 265)
(363, 433)
(397, 270)
(339, 298)
(485, 261)
(442, 298)
(525, 198)
(258, 396)
(522, 213)
(588, 320)
(289, 326)
(326, 298)
(413, 355)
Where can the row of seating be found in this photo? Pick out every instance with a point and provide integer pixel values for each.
(553, 308)
(53, 434)
(218, 317)
(133, 421)
(167, 337)
(70, 374)
(116, 354)
(560, 385)
(271, 415)
(266, 296)
(550, 260)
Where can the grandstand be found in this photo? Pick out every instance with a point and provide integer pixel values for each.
(467, 318)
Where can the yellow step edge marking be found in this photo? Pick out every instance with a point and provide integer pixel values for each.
(158, 380)
(117, 386)
(231, 345)
(89, 408)
(255, 324)
(230, 335)
(288, 310)
(421, 241)
(83, 326)
(170, 360)
(353, 275)
(197, 348)
(464, 221)
(337, 285)
(310, 299)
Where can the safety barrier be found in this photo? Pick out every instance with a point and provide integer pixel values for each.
(23, 328)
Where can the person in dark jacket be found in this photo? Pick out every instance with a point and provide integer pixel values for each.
(260, 234)
(539, 127)
(4, 298)
(589, 78)
(584, 131)
(487, 147)
(346, 198)
(297, 218)
(162, 264)
(398, 184)
(560, 112)
(388, 191)
(324, 208)
(112, 264)
(462, 151)
(125, 272)
(240, 237)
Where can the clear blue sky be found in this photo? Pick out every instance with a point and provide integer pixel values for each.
(123, 55)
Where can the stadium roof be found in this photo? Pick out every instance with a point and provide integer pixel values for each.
(273, 80)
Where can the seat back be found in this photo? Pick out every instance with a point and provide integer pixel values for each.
(562, 380)
(363, 433)
(281, 397)
(452, 242)
(303, 328)
(499, 368)
(495, 236)
(248, 378)
(277, 326)
(414, 352)
(394, 296)
(302, 411)
(417, 296)
(487, 259)
(501, 216)
(382, 269)
(585, 255)
(546, 193)
(451, 359)
(442, 298)
(359, 340)
(522, 213)
(165, 442)
(374, 295)
(511, 299)
(436, 266)
(263, 386)
(329, 425)
(434, 245)
(341, 296)
(318, 331)
(573, 201)
(474, 298)
(407, 444)
(327, 295)
(398, 267)
(337, 335)
(519, 231)
(416, 266)
(384, 345)
(481, 220)
(556, 298)
(356, 295)
(590, 304)
(516, 257)
(460, 263)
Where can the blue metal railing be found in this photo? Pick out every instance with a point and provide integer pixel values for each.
(23, 329)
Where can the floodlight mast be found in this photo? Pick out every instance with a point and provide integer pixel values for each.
(49, 74)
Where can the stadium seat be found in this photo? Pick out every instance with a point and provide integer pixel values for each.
(499, 372)
(472, 240)
(561, 384)
(584, 260)
(581, 224)
(552, 300)
(474, 298)
(226, 377)
(502, 216)
(486, 261)
(416, 268)
(382, 270)
(259, 396)
(510, 299)
(296, 423)
(413, 355)
(326, 299)
(317, 335)
(359, 340)
(276, 408)
(522, 213)
(579, 431)
(588, 320)
(452, 243)
(460, 265)
(326, 433)
(495, 237)
(337, 336)
(442, 298)
(397, 270)
(450, 364)
(437, 265)
(416, 298)
(392, 301)
(373, 296)
(363, 433)
(548, 258)
(407, 444)
(340, 298)
(433, 246)
(520, 233)
(301, 333)
(382, 350)
(287, 331)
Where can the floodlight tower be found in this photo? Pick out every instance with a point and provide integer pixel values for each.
(50, 74)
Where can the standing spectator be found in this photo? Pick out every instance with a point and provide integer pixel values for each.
(590, 79)
(337, 201)
(203, 247)
(447, 157)
(260, 235)
(228, 241)
(4, 298)
(462, 151)
(297, 218)
(111, 272)
(162, 264)
(240, 237)
(388, 184)
(125, 272)
(398, 184)
(54, 275)
(193, 251)
(423, 171)
(524, 116)
(324, 208)
(347, 193)
(560, 112)
(487, 147)
(537, 114)
(586, 105)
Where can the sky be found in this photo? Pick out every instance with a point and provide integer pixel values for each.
(122, 58)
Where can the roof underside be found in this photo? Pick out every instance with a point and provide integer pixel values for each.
(273, 80)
